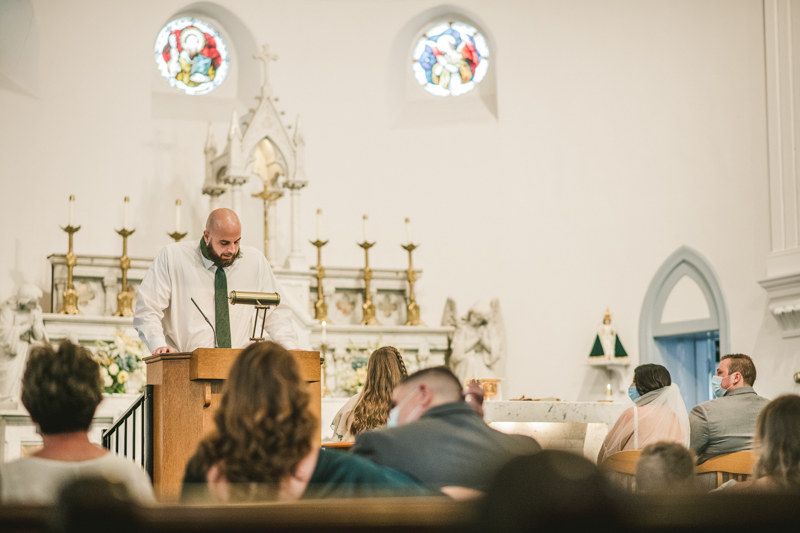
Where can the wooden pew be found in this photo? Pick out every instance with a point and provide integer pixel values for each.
(751, 513)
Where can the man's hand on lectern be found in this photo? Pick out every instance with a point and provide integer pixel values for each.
(164, 349)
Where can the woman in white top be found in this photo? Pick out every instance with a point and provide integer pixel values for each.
(370, 408)
(61, 391)
(658, 414)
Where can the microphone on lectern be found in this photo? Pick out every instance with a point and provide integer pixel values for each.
(255, 298)
(207, 320)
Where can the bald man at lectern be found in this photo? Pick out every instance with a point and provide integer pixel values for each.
(206, 271)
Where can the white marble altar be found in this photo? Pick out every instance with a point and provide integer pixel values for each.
(578, 427)
(97, 280)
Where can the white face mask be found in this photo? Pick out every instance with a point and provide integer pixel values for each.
(394, 414)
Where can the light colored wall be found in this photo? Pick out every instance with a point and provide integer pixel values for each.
(624, 130)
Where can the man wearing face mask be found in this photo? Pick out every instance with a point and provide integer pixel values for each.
(727, 423)
(433, 435)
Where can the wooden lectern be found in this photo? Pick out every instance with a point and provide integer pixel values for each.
(187, 391)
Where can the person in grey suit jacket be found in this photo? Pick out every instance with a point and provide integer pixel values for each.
(727, 424)
(435, 436)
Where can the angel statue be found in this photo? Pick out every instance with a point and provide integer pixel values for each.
(478, 345)
(20, 325)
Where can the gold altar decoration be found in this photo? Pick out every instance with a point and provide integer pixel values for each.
(69, 303)
(320, 307)
(412, 307)
(368, 306)
(489, 386)
(125, 296)
(177, 235)
(267, 197)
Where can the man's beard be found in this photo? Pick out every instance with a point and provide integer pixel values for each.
(217, 259)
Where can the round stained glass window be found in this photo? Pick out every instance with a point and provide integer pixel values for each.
(450, 58)
(192, 56)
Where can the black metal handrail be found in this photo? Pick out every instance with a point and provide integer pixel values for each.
(143, 408)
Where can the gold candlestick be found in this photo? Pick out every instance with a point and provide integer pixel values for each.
(325, 390)
(177, 236)
(125, 297)
(267, 197)
(368, 307)
(412, 307)
(69, 303)
(321, 307)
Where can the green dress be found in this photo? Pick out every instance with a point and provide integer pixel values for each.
(337, 475)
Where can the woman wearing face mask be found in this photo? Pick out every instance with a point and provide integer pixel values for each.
(658, 414)
(265, 444)
(370, 408)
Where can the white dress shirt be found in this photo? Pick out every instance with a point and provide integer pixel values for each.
(166, 316)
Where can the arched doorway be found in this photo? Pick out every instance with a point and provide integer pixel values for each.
(684, 323)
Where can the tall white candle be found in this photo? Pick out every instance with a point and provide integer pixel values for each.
(177, 216)
(71, 209)
(319, 224)
(125, 213)
(408, 231)
(324, 332)
(364, 227)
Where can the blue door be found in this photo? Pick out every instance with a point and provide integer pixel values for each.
(691, 361)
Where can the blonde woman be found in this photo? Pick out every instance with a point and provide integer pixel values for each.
(370, 408)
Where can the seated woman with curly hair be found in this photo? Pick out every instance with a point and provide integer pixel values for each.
(370, 408)
(61, 391)
(263, 447)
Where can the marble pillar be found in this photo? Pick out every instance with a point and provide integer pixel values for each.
(272, 230)
(296, 259)
(236, 183)
(213, 196)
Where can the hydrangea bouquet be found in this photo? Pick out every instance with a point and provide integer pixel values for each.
(121, 364)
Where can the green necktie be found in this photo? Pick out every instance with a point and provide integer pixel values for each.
(222, 317)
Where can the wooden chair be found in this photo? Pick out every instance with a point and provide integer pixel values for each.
(338, 445)
(738, 466)
(622, 467)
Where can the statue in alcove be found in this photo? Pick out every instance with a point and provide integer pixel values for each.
(478, 345)
(607, 346)
(21, 325)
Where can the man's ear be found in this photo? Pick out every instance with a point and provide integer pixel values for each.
(206, 236)
(427, 395)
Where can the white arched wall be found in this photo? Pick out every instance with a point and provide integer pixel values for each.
(683, 262)
(240, 88)
(410, 106)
